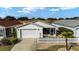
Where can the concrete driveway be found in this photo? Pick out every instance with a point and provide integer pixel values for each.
(25, 45)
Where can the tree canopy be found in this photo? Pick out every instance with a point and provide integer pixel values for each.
(39, 18)
(9, 18)
(22, 18)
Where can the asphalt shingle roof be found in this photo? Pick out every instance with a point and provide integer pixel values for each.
(69, 23)
(7, 23)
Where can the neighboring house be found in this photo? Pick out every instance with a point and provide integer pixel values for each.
(35, 30)
(70, 24)
(7, 27)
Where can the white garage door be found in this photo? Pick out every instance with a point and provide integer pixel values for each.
(31, 33)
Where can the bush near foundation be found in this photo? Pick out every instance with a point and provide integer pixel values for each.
(5, 41)
(9, 41)
(13, 40)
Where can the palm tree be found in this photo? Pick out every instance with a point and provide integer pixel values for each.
(67, 35)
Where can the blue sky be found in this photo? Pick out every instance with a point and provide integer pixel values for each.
(43, 12)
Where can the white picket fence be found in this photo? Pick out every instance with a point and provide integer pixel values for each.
(58, 40)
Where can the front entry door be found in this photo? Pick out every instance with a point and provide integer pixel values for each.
(8, 32)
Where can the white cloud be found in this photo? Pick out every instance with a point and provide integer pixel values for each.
(42, 8)
(23, 11)
(53, 9)
(66, 8)
(61, 8)
(31, 9)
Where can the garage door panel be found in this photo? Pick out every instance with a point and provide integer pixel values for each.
(30, 33)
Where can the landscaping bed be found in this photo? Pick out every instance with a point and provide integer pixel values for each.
(6, 44)
(76, 48)
(52, 48)
(56, 47)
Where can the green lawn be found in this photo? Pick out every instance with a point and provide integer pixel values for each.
(56, 47)
(6, 48)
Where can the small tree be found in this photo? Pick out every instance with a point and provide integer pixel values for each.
(66, 35)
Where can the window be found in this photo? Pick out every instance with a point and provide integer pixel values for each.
(1, 32)
(46, 30)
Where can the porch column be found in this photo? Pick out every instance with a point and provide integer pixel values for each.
(50, 31)
(11, 29)
(55, 32)
(4, 32)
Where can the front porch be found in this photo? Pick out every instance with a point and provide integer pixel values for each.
(49, 32)
(6, 32)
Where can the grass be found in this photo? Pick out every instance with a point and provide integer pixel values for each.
(76, 48)
(6, 48)
(56, 47)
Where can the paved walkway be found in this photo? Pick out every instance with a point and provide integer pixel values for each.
(25, 45)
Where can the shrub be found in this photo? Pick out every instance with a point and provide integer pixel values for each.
(14, 33)
(13, 40)
(9, 41)
(6, 41)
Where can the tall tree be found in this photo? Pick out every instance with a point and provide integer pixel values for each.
(75, 17)
(23, 18)
(72, 18)
(61, 19)
(33, 18)
(9, 18)
(40, 18)
(50, 20)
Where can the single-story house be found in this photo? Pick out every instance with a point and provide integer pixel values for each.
(35, 30)
(70, 24)
(7, 27)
